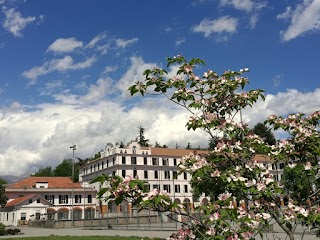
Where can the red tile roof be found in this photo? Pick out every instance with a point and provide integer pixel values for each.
(53, 182)
(175, 152)
(22, 199)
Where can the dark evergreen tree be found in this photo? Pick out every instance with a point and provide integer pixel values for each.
(3, 197)
(44, 172)
(142, 140)
(264, 132)
(188, 146)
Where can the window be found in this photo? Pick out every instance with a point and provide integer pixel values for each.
(185, 176)
(49, 198)
(107, 163)
(113, 161)
(186, 188)
(175, 162)
(166, 174)
(145, 161)
(23, 216)
(177, 188)
(175, 175)
(77, 198)
(157, 186)
(91, 168)
(281, 166)
(30, 200)
(155, 161)
(123, 159)
(165, 161)
(147, 186)
(133, 160)
(113, 173)
(38, 200)
(156, 175)
(94, 167)
(135, 173)
(102, 165)
(98, 166)
(123, 173)
(63, 199)
(89, 198)
(145, 174)
(134, 149)
(167, 188)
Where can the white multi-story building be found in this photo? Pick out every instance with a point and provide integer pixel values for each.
(56, 198)
(157, 166)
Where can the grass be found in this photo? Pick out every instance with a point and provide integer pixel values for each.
(81, 238)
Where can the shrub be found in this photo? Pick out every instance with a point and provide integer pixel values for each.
(2, 229)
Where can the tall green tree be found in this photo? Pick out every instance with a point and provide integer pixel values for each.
(64, 169)
(44, 172)
(142, 140)
(265, 133)
(3, 197)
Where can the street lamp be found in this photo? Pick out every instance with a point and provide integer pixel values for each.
(74, 147)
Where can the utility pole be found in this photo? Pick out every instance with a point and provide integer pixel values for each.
(74, 147)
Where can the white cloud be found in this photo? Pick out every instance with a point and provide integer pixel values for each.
(225, 24)
(97, 91)
(42, 137)
(122, 43)
(14, 22)
(60, 65)
(179, 42)
(246, 5)
(65, 45)
(251, 7)
(109, 69)
(96, 39)
(304, 18)
(133, 74)
(277, 80)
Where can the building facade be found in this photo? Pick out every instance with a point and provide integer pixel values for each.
(157, 166)
(47, 198)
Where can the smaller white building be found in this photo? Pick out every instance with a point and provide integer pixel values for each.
(47, 198)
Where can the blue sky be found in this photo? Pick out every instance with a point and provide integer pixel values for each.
(66, 67)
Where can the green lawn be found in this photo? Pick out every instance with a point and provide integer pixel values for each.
(81, 238)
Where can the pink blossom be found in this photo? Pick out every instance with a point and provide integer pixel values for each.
(216, 173)
(211, 231)
(214, 217)
(224, 196)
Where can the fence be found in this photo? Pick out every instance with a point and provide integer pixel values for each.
(134, 220)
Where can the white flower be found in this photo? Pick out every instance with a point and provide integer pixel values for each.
(307, 166)
(266, 216)
(292, 165)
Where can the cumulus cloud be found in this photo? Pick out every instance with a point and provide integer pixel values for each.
(42, 137)
(14, 22)
(133, 74)
(65, 45)
(122, 43)
(303, 19)
(225, 24)
(60, 65)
